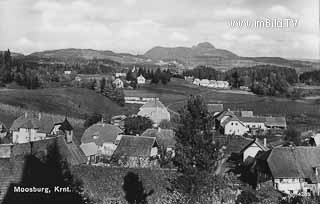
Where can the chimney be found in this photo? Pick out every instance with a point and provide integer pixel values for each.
(159, 129)
(265, 142)
(102, 122)
(316, 171)
(25, 114)
(39, 116)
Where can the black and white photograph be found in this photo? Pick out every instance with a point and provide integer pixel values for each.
(159, 102)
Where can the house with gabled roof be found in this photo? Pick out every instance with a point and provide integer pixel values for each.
(104, 136)
(229, 124)
(136, 151)
(251, 150)
(141, 79)
(33, 127)
(155, 110)
(293, 170)
(165, 137)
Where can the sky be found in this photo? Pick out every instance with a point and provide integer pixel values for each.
(135, 26)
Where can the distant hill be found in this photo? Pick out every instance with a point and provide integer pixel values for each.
(190, 55)
(206, 54)
(183, 57)
(73, 53)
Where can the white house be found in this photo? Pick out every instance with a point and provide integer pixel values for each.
(154, 110)
(33, 127)
(229, 124)
(196, 81)
(67, 72)
(204, 82)
(293, 170)
(213, 84)
(120, 74)
(254, 122)
(118, 83)
(141, 80)
(253, 148)
(220, 84)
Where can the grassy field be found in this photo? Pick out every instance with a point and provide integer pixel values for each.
(75, 102)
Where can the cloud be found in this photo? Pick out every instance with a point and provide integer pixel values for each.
(280, 11)
(177, 36)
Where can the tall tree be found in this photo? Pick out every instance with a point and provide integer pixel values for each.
(136, 125)
(196, 153)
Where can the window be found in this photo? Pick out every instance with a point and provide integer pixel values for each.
(231, 123)
(236, 123)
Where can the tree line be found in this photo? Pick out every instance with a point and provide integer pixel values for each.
(262, 79)
(310, 78)
(16, 71)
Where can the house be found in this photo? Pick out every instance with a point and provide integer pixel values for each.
(165, 137)
(251, 150)
(254, 123)
(136, 151)
(118, 83)
(154, 110)
(213, 84)
(315, 139)
(189, 78)
(204, 82)
(91, 151)
(141, 79)
(196, 81)
(292, 170)
(220, 84)
(229, 124)
(33, 127)
(67, 72)
(105, 136)
(214, 108)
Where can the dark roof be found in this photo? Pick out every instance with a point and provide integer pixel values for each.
(225, 113)
(100, 133)
(294, 162)
(258, 143)
(65, 125)
(213, 108)
(135, 146)
(43, 122)
(236, 143)
(164, 137)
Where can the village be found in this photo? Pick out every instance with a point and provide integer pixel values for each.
(250, 142)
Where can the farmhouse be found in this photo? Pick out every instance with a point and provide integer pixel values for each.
(118, 83)
(229, 124)
(254, 122)
(196, 81)
(251, 150)
(213, 84)
(292, 170)
(141, 79)
(136, 151)
(154, 110)
(91, 151)
(165, 137)
(105, 136)
(120, 74)
(189, 78)
(276, 123)
(32, 127)
(204, 82)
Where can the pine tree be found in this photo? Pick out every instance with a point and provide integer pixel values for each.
(196, 152)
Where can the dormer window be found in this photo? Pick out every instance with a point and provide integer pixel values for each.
(95, 137)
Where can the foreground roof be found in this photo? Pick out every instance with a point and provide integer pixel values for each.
(100, 133)
(294, 162)
(135, 146)
(164, 137)
(89, 149)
